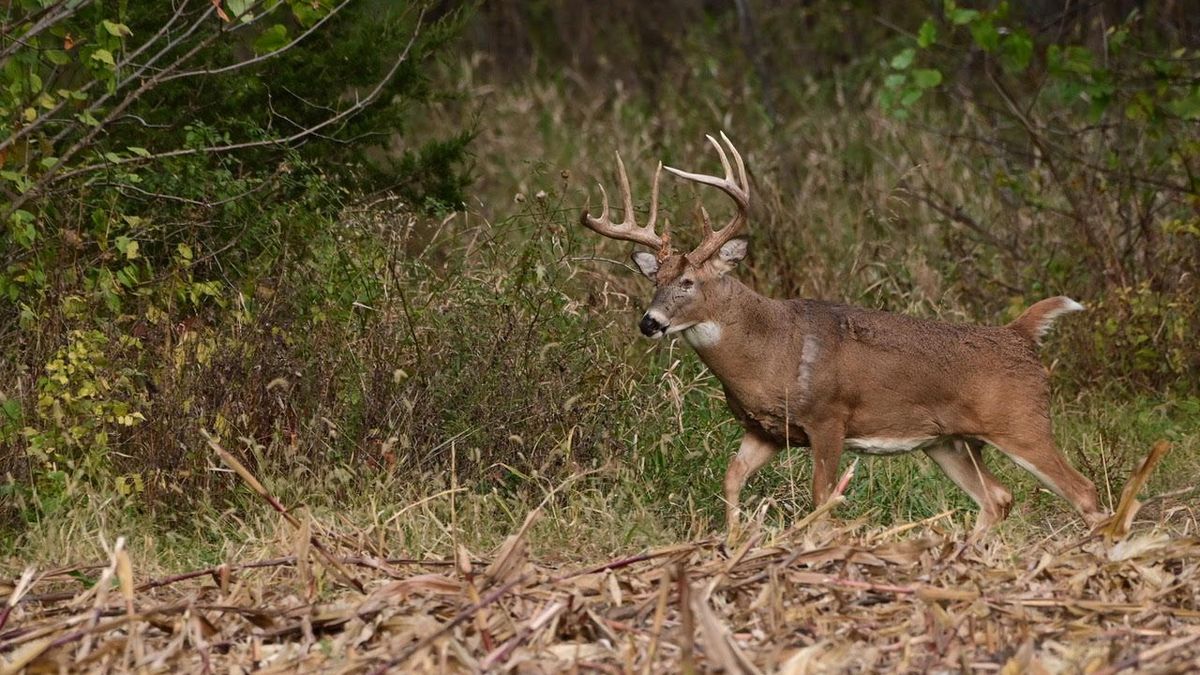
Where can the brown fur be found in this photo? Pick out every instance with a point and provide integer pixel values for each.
(828, 376)
(820, 374)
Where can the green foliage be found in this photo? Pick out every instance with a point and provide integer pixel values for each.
(320, 307)
(1094, 133)
(116, 131)
(164, 167)
(89, 395)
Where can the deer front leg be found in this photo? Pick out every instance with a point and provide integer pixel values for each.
(754, 452)
(827, 442)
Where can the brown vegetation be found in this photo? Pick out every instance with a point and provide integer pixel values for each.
(814, 597)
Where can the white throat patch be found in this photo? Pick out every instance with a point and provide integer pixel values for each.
(702, 335)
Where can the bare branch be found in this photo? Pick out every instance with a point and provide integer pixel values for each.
(52, 174)
(262, 57)
(49, 18)
(277, 142)
(95, 106)
(126, 188)
(49, 115)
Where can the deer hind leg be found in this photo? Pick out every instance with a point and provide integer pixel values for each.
(754, 452)
(827, 442)
(962, 461)
(1034, 450)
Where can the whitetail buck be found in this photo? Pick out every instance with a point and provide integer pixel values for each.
(834, 377)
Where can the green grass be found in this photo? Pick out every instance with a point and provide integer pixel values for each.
(497, 365)
(666, 488)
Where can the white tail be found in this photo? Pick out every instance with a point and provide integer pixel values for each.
(1035, 321)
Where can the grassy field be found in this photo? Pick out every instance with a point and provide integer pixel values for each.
(532, 378)
(427, 384)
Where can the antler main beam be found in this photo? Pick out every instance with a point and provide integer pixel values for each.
(628, 228)
(736, 186)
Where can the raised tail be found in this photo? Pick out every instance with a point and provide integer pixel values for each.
(1035, 321)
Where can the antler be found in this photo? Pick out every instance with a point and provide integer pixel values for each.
(738, 188)
(628, 229)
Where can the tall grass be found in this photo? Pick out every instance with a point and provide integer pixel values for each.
(439, 377)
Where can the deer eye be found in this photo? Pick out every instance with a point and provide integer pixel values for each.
(686, 284)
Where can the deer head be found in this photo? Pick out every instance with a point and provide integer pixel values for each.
(684, 282)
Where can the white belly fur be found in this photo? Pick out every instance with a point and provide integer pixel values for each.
(888, 446)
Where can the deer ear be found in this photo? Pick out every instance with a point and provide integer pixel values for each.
(647, 263)
(731, 253)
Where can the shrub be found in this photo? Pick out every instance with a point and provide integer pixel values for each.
(165, 167)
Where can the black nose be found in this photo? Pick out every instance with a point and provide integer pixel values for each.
(649, 326)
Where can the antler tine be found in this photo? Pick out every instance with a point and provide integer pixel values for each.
(664, 248)
(737, 157)
(626, 194)
(738, 189)
(724, 158)
(603, 202)
(702, 217)
(654, 199)
(628, 229)
(730, 184)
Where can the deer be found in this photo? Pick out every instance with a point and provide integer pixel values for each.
(833, 377)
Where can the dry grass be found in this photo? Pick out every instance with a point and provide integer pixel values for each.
(818, 596)
(614, 568)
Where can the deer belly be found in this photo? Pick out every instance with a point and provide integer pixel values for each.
(882, 445)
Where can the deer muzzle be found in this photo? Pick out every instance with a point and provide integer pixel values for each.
(651, 327)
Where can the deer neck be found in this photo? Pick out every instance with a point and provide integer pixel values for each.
(738, 331)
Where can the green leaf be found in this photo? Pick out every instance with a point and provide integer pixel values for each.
(1118, 37)
(1016, 50)
(985, 35)
(271, 39)
(927, 78)
(23, 230)
(11, 408)
(238, 10)
(116, 29)
(127, 247)
(57, 56)
(895, 80)
(927, 35)
(1071, 59)
(112, 157)
(961, 17)
(140, 152)
(308, 13)
(904, 59)
(127, 276)
(1187, 107)
(910, 97)
(104, 56)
